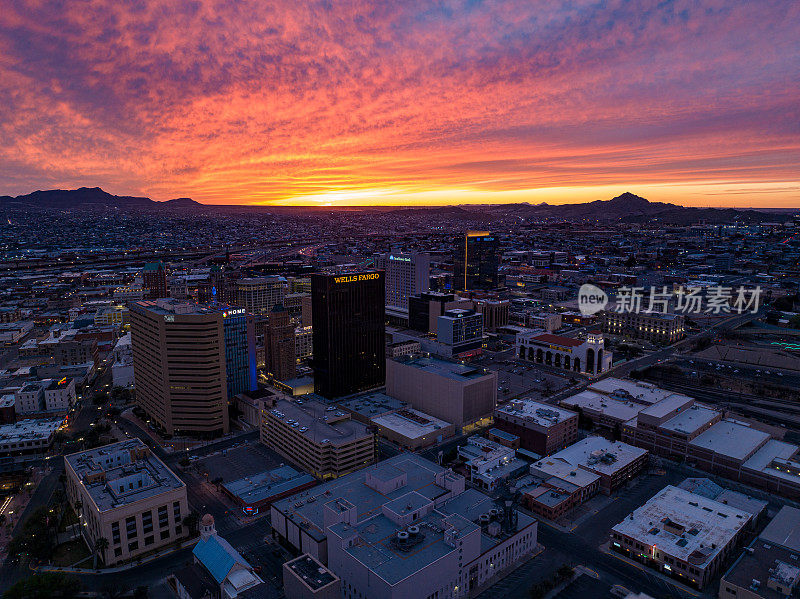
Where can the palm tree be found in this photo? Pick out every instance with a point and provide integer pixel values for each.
(191, 521)
(101, 544)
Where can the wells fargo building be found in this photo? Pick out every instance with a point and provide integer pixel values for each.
(348, 317)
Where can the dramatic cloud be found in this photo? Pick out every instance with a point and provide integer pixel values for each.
(374, 101)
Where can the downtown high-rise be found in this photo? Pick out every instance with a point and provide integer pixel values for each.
(476, 261)
(348, 332)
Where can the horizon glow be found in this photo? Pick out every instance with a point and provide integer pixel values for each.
(374, 103)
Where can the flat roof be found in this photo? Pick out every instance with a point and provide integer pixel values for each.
(452, 370)
(690, 420)
(600, 455)
(410, 423)
(377, 551)
(708, 526)
(772, 566)
(784, 529)
(311, 572)
(374, 404)
(121, 479)
(542, 414)
(28, 430)
(669, 404)
(638, 391)
(264, 485)
(306, 508)
(563, 470)
(314, 416)
(731, 439)
(614, 408)
(778, 452)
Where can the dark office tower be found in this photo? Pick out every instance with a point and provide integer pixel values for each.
(240, 350)
(154, 280)
(279, 355)
(348, 323)
(475, 262)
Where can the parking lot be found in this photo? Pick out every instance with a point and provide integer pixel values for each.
(238, 462)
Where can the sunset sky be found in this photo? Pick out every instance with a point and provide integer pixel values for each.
(400, 102)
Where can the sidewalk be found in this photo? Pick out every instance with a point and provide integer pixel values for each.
(606, 548)
(123, 567)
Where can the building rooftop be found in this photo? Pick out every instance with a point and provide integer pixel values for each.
(563, 470)
(557, 340)
(671, 403)
(702, 527)
(638, 391)
(410, 423)
(536, 412)
(784, 529)
(320, 422)
(176, 307)
(445, 368)
(121, 473)
(731, 439)
(763, 567)
(306, 508)
(377, 549)
(600, 455)
(311, 572)
(28, 430)
(690, 420)
(613, 408)
(374, 404)
(264, 485)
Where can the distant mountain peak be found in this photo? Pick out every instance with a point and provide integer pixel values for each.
(629, 198)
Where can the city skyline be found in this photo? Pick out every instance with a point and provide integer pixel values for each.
(414, 105)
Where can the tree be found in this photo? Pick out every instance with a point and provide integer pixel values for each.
(36, 539)
(217, 482)
(191, 521)
(44, 586)
(100, 545)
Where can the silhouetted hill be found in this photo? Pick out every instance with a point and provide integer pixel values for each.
(71, 198)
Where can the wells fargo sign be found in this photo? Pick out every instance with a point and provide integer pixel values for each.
(353, 278)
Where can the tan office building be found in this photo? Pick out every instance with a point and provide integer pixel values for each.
(179, 366)
(128, 497)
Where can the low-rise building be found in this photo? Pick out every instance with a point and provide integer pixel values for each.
(397, 529)
(587, 356)
(127, 496)
(615, 463)
(656, 327)
(489, 462)
(257, 491)
(232, 574)
(306, 578)
(59, 395)
(13, 332)
(25, 441)
(681, 534)
(558, 488)
(541, 428)
(320, 438)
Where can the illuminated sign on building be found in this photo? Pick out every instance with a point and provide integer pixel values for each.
(355, 278)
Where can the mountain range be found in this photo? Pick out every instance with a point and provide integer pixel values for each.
(73, 198)
(626, 208)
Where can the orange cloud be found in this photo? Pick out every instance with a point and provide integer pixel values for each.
(375, 102)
